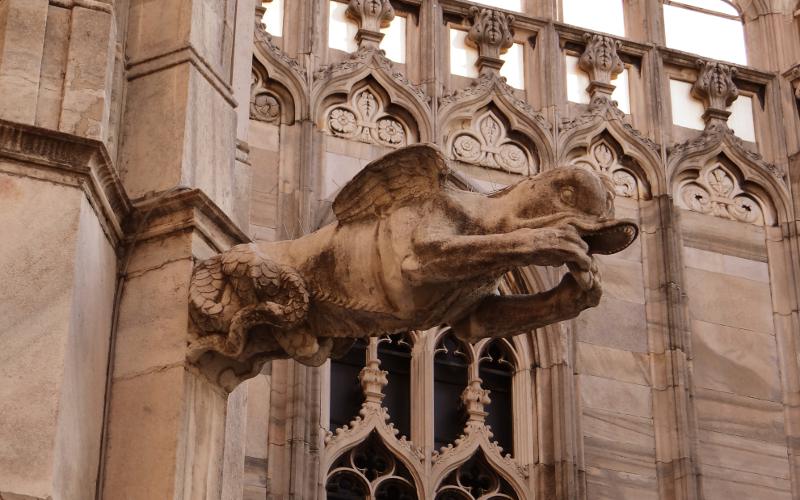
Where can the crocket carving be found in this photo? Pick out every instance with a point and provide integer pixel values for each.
(409, 251)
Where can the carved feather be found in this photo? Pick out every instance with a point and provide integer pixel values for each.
(412, 173)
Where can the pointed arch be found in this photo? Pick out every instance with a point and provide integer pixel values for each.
(369, 64)
(489, 92)
(367, 114)
(284, 74)
(636, 154)
(755, 176)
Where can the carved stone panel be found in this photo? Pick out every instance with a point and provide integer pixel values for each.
(487, 144)
(264, 106)
(717, 192)
(364, 118)
(603, 158)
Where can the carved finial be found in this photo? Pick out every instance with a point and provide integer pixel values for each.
(261, 9)
(715, 87)
(371, 16)
(492, 34)
(601, 62)
(794, 77)
(475, 398)
(373, 380)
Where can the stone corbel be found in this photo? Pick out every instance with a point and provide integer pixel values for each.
(371, 16)
(602, 63)
(715, 87)
(491, 33)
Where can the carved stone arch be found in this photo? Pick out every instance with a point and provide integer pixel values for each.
(718, 188)
(366, 113)
(491, 92)
(637, 154)
(605, 155)
(359, 431)
(759, 178)
(486, 139)
(270, 101)
(341, 77)
(282, 72)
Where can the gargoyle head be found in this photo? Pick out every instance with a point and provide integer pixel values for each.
(576, 196)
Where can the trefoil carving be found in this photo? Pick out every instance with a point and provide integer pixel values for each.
(365, 120)
(717, 192)
(487, 145)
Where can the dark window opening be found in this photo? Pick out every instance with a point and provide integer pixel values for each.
(394, 353)
(496, 372)
(450, 377)
(346, 393)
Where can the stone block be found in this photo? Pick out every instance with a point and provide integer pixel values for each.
(21, 49)
(729, 300)
(622, 279)
(614, 323)
(86, 104)
(604, 484)
(738, 453)
(618, 442)
(625, 366)
(54, 60)
(741, 416)
(156, 31)
(615, 396)
(736, 361)
(716, 262)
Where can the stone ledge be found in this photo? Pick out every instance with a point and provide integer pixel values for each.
(68, 159)
(183, 210)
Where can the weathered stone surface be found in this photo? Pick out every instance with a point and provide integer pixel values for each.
(398, 226)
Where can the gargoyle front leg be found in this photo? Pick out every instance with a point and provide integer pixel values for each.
(456, 257)
(504, 316)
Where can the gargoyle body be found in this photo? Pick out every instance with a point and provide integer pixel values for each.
(409, 251)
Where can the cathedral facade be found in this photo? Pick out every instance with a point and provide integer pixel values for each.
(138, 137)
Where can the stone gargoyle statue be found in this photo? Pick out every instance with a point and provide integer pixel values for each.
(409, 251)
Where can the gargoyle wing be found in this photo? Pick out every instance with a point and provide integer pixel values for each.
(413, 173)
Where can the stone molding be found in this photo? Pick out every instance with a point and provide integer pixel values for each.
(184, 210)
(68, 159)
(181, 55)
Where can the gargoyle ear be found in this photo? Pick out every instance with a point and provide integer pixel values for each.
(611, 238)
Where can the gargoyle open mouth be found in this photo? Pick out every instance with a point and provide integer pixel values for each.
(606, 238)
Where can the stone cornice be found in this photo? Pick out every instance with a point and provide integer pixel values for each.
(71, 160)
(183, 210)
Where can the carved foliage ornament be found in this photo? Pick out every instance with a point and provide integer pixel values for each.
(716, 192)
(600, 60)
(487, 145)
(371, 14)
(603, 158)
(491, 32)
(715, 87)
(365, 120)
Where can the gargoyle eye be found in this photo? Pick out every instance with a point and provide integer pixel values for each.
(568, 196)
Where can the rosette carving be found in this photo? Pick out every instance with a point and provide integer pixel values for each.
(264, 106)
(363, 118)
(487, 144)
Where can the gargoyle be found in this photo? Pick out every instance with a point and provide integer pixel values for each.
(409, 251)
